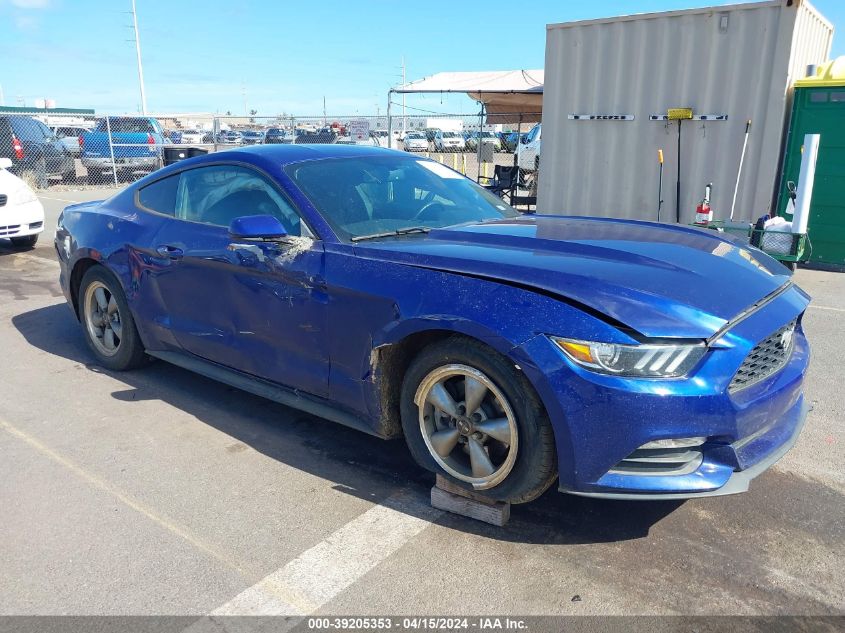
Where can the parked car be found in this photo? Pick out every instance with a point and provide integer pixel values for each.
(322, 136)
(195, 137)
(430, 133)
(449, 142)
(173, 136)
(21, 213)
(511, 139)
(252, 137)
(229, 137)
(487, 137)
(35, 152)
(415, 142)
(69, 136)
(274, 135)
(136, 146)
(371, 140)
(529, 153)
(365, 285)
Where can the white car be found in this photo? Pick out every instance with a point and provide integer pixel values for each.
(449, 142)
(529, 150)
(21, 213)
(193, 137)
(416, 142)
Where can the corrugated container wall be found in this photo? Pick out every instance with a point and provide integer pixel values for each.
(738, 60)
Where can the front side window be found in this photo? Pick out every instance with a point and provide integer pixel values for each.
(365, 196)
(220, 193)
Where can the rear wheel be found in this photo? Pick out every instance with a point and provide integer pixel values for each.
(470, 416)
(36, 176)
(24, 243)
(109, 327)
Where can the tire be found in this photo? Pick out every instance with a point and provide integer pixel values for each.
(128, 352)
(36, 177)
(24, 243)
(519, 477)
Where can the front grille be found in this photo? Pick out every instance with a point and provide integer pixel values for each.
(768, 357)
(3, 199)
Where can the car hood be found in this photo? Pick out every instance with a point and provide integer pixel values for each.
(661, 280)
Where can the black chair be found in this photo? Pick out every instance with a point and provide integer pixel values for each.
(506, 179)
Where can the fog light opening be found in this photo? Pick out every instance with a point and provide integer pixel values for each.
(676, 442)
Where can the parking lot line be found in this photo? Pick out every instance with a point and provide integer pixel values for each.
(58, 199)
(319, 574)
(827, 308)
(126, 499)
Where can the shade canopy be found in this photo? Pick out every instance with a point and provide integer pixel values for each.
(508, 96)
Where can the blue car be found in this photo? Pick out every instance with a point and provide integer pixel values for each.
(387, 292)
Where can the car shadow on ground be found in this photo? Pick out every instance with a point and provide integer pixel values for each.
(361, 465)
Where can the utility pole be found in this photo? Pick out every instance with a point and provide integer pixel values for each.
(404, 118)
(140, 67)
(243, 94)
(324, 110)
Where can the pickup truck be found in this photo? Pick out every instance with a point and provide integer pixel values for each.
(136, 146)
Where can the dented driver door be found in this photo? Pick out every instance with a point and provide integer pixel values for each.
(258, 307)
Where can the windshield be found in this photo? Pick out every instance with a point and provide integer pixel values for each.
(448, 135)
(372, 195)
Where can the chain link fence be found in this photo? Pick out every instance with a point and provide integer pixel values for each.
(52, 150)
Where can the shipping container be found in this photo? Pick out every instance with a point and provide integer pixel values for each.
(609, 84)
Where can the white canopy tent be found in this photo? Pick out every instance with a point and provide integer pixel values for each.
(507, 96)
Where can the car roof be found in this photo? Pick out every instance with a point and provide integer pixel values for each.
(282, 155)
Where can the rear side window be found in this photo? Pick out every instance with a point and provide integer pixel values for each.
(27, 129)
(160, 196)
(126, 125)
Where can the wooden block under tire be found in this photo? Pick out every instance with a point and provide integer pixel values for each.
(452, 498)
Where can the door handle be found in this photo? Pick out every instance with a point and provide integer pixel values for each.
(318, 281)
(171, 252)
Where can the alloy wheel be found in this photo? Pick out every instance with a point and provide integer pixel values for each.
(102, 318)
(468, 425)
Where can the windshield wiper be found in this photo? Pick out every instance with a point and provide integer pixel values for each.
(405, 231)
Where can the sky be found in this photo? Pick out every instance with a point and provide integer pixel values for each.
(277, 56)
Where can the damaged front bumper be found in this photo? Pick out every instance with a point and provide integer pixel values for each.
(606, 427)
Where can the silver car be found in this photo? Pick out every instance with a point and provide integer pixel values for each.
(69, 135)
(415, 142)
(449, 142)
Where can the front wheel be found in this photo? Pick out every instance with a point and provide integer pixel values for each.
(24, 243)
(109, 327)
(469, 415)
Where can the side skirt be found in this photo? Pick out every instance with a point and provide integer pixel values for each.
(266, 389)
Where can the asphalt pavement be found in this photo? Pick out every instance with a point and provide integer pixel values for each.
(162, 492)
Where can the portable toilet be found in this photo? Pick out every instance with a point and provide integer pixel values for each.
(819, 108)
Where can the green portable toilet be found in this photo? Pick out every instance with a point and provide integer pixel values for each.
(818, 107)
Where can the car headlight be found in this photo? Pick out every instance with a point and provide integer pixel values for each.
(645, 361)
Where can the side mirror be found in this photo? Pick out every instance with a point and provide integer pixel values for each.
(257, 227)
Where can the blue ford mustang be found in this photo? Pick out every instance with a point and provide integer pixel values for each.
(388, 293)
